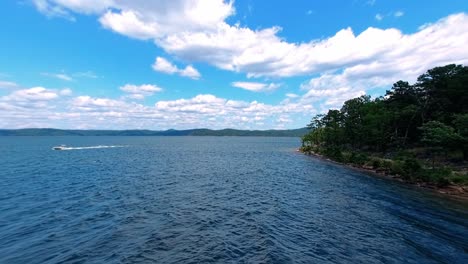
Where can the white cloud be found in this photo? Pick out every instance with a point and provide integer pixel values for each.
(348, 63)
(86, 74)
(88, 101)
(263, 53)
(396, 14)
(163, 65)
(399, 13)
(8, 85)
(292, 95)
(190, 72)
(153, 19)
(61, 76)
(140, 91)
(63, 8)
(256, 86)
(197, 31)
(31, 94)
(66, 92)
(45, 7)
(42, 107)
(128, 23)
(70, 77)
(28, 100)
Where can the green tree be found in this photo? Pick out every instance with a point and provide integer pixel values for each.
(439, 137)
(461, 125)
(353, 112)
(445, 92)
(333, 133)
(405, 111)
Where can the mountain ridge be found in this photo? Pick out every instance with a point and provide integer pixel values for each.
(145, 132)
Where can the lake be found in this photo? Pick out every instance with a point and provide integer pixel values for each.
(211, 200)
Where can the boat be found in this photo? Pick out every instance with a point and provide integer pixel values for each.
(61, 147)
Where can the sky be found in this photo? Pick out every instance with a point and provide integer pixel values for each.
(181, 64)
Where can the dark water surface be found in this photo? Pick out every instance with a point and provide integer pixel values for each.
(211, 199)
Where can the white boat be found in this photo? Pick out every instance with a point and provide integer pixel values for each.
(61, 147)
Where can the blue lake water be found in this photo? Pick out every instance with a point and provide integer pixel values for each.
(211, 199)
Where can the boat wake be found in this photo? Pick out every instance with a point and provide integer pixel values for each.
(90, 147)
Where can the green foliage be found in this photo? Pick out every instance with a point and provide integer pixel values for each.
(431, 114)
(439, 176)
(459, 178)
(334, 153)
(376, 163)
(461, 125)
(437, 134)
(396, 168)
(357, 158)
(411, 168)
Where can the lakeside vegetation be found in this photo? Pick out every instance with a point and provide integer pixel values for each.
(418, 132)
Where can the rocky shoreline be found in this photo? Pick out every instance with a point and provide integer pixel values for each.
(453, 191)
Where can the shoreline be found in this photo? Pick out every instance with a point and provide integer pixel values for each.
(457, 192)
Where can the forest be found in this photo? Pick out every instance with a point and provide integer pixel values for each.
(418, 132)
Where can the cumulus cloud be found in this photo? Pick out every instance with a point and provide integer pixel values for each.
(153, 19)
(344, 65)
(31, 94)
(140, 91)
(93, 104)
(128, 23)
(262, 53)
(165, 66)
(204, 110)
(66, 92)
(197, 31)
(28, 100)
(256, 86)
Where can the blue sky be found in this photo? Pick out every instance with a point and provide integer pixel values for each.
(142, 64)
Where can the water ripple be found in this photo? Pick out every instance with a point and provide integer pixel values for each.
(211, 200)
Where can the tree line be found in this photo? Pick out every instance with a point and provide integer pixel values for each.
(426, 119)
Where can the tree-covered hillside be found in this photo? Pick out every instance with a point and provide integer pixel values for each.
(418, 131)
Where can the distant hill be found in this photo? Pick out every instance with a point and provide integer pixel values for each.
(171, 132)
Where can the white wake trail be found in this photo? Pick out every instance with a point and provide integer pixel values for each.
(92, 147)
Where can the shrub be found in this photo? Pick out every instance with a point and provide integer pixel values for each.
(460, 178)
(411, 166)
(376, 163)
(306, 149)
(387, 164)
(396, 168)
(442, 182)
(439, 176)
(358, 158)
(334, 153)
